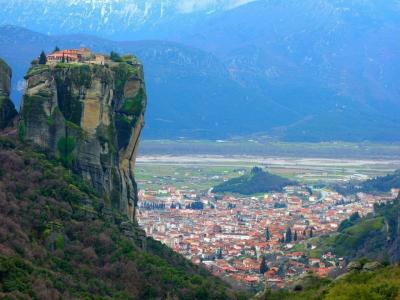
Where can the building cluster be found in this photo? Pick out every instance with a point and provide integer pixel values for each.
(232, 235)
(75, 56)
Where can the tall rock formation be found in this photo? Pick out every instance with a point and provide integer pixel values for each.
(7, 109)
(90, 115)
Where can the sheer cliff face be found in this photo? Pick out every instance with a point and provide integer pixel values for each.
(90, 116)
(7, 109)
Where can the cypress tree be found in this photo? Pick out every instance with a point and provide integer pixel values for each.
(42, 58)
(263, 266)
(288, 235)
(219, 254)
(267, 234)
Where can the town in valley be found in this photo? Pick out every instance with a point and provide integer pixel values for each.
(251, 240)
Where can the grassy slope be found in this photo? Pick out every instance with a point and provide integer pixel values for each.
(57, 241)
(375, 237)
(367, 237)
(383, 284)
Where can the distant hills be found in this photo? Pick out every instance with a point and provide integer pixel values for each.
(257, 181)
(381, 184)
(313, 70)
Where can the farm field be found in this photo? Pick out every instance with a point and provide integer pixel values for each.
(201, 172)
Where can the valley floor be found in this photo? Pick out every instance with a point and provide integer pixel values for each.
(217, 167)
(264, 147)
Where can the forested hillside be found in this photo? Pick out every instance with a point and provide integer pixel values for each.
(257, 181)
(381, 184)
(57, 241)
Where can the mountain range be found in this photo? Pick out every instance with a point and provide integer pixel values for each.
(297, 71)
(116, 19)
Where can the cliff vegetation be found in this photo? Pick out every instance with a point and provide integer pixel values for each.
(59, 241)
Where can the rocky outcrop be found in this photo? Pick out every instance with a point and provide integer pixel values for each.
(354, 266)
(90, 116)
(7, 109)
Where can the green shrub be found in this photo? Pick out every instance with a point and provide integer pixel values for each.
(114, 56)
(66, 146)
(14, 275)
(37, 69)
(7, 143)
(60, 242)
(22, 130)
(122, 73)
(134, 106)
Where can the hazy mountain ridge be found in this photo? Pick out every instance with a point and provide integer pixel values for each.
(298, 71)
(325, 60)
(194, 94)
(330, 42)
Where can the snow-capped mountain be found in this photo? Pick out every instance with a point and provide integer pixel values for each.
(118, 19)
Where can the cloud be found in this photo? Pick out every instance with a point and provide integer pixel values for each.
(188, 6)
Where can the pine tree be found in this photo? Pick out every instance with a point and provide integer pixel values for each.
(56, 49)
(295, 236)
(263, 266)
(115, 57)
(288, 235)
(42, 58)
